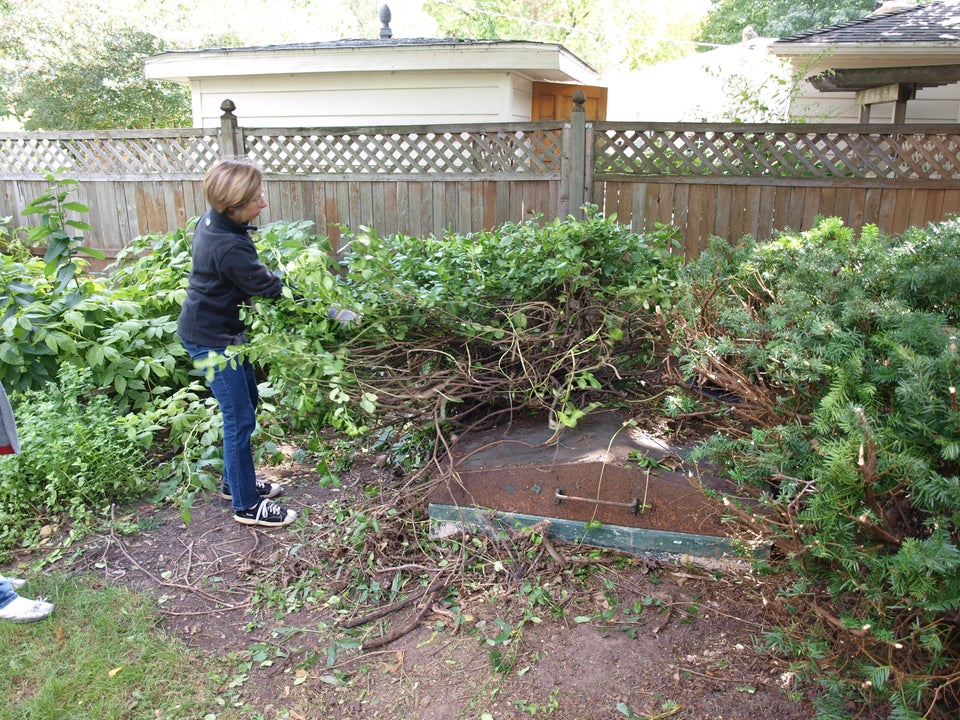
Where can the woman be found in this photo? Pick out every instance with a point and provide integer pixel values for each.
(226, 274)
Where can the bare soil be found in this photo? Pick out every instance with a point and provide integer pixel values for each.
(618, 637)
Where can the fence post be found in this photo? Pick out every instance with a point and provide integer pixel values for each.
(229, 136)
(578, 153)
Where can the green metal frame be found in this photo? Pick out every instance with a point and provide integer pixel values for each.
(639, 541)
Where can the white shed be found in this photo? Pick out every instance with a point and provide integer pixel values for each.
(384, 81)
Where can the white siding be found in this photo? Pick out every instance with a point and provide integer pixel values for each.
(934, 105)
(521, 99)
(363, 99)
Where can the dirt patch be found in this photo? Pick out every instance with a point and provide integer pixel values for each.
(588, 634)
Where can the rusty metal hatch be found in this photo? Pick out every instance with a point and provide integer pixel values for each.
(604, 470)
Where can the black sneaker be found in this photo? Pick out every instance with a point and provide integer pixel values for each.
(264, 488)
(266, 514)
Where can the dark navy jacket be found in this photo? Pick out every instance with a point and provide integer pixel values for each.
(226, 273)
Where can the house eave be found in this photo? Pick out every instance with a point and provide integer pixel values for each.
(552, 63)
(877, 49)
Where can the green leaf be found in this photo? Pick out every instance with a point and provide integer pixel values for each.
(10, 354)
(92, 252)
(94, 356)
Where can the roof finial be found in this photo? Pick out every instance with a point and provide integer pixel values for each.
(385, 16)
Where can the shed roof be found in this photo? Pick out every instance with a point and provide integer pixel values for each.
(934, 23)
(542, 61)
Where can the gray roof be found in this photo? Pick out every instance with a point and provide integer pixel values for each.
(373, 43)
(933, 23)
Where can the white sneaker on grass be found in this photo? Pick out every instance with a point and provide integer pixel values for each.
(23, 610)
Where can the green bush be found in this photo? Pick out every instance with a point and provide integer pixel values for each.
(532, 314)
(78, 455)
(55, 315)
(845, 348)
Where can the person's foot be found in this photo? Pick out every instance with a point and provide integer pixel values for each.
(20, 609)
(266, 514)
(15, 583)
(264, 488)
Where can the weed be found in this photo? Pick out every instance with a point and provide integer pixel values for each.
(534, 709)
(77, 458)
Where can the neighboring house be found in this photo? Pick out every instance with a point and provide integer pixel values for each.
(899, 64)
(385, 81)
(741, 82)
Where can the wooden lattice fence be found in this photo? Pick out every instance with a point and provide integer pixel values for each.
(728, 181)
(113, 154)
(783, 152)
(736, 180)
(473, 152)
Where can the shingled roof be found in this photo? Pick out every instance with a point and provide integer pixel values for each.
(929, 24)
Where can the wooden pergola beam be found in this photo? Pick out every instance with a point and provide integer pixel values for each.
(855, 79)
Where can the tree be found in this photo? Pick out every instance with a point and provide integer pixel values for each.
(102, 88)
(624, 34)
(78, 64)
(727, 19)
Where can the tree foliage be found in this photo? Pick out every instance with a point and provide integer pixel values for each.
(102, 87)
(612, 34)
(727, 19)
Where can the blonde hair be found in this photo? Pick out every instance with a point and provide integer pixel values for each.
(231, 183)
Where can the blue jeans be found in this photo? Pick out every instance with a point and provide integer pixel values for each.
(235, 387)
(7, 593)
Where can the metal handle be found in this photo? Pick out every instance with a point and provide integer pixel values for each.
(633, 506)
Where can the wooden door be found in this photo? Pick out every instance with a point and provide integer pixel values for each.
(554, 101)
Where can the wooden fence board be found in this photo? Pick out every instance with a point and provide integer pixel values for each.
(951, 203)
(764, 209)
(869, 212)
(695, 236)
(888, 206)
(753, 214)
(922, 198)
(827, 202)
(413, 224)
(681, 207)
(489, 203)
(811, 203)
(903, 199)
(739, 222)
(634, 204)
(846, 201)
(404, 209)
(721, 206)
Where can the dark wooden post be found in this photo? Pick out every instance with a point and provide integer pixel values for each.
(230, 143)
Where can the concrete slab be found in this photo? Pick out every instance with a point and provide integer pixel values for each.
(605, 473)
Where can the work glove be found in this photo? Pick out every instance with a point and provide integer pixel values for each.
(342, 315)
